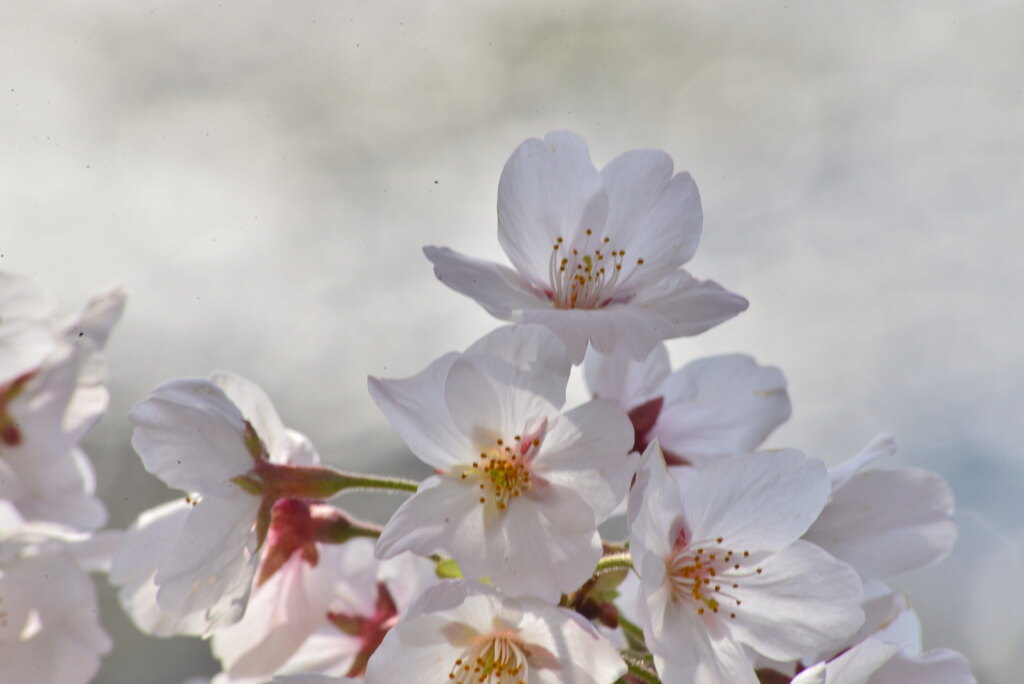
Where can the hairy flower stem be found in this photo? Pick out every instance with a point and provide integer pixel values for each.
(320, 482)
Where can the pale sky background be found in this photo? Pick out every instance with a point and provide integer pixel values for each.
(262, 176)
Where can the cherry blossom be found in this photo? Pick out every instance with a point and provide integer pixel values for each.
(519, 489)
(597, 255)
(708, 408)
(462, 632)
(221, 441)
(723, 572)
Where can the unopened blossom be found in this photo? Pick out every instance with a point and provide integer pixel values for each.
(222, 442)
(710, 407)
(49, 615)
(597, 255)
(519, 488)
(52, 400)
(462, 632)
(885, 521)
(723, 572)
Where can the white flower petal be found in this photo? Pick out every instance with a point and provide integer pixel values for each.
(24, 346)
(942, 665)
(440, 513)
(885, 522)
(213, 556)
(720, 405)
(628, 382)
(587, 451)
(882, 446)
(682, 306)
(548, 546)
(135, 564)
(280, 615)
(416, 409)
(548, 189)
(473, 404)
(98, 317)
(255, 407)
(190, 435)
(655, 506)
(501, 291)
(657, 216)
(532, 358)
(762, 501)
(802, 601)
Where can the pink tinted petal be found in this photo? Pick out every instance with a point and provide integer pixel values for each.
(721, 405)
(548, 189)
(683, 306)
(416, 410)
(278, 619)
(501, 291)
(629, 383)
(885, 522)
(190, 435)
(657, 216)
(761, 501)
(803, 601)
(587, 451)
(532, 358)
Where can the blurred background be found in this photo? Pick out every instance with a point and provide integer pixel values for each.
(262, 177)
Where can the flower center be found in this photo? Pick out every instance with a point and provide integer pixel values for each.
(495, 659)
(587, 276)
(708, 576)
(502, 473)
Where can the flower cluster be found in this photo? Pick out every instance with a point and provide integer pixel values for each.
(741, 565)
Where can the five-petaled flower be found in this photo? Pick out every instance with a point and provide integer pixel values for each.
(598, 255)
(723, 572)
(519, 489)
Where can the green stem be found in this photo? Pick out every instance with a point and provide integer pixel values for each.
(361, 481)
(634, 635)
(319, 482)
